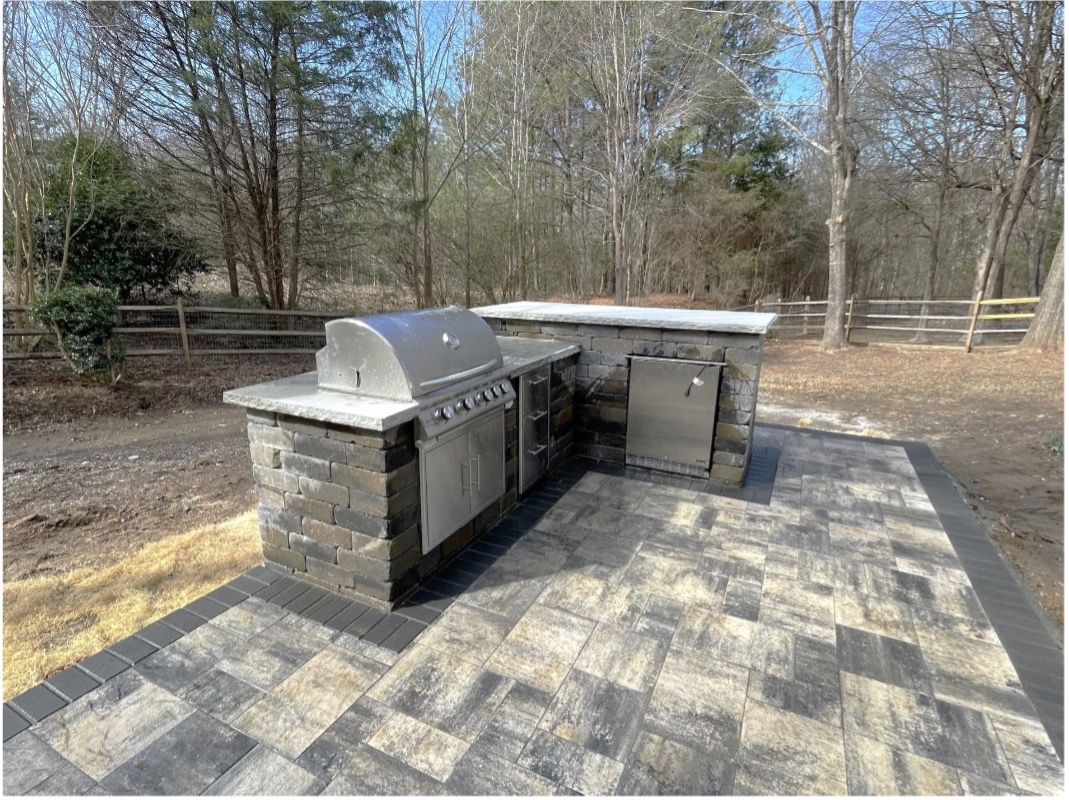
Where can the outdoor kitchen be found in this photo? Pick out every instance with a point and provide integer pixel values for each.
(518, 551)
(419, 430)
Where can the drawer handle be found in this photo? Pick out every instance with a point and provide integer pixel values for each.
(537, 381)
(536, 415)
(537, 450)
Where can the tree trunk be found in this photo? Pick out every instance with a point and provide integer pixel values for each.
(834, 339)
(1046, 330)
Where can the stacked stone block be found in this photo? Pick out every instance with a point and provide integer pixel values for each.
(338, 506)
(602, 379)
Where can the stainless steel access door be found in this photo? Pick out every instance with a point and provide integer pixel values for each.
(446, 492)
(486, 458)
(671, 410)
(461, 474)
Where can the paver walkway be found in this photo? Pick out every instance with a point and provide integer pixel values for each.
(612, 636)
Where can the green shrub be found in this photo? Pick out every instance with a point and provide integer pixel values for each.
(84, 319)
(1056, 445)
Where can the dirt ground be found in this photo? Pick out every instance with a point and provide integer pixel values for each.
(91, 473)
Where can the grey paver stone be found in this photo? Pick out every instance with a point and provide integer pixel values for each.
(106, 727)
(264, 773)
(185, 760)
(246, 584)
(263, 573)
(290, 593)
(159, 634)
(567, 763)
(28, 762)
(206, 608)
(103, 665)
(72, 683)
(14, 722)
(132, 649)
(661, 766)
(348, 615)
(371, 772)
(37, 702)
(365, 622)
(403, 636)
(327, 608)
(275, 587)
(441, 690)
(226, 596)
(67, 780)
(481, 772)
(328, 754)
(220, 694)
(299, 604)
(183, 620)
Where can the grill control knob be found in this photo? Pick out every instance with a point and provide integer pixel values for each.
(445, 412)
(504, 388)
(469, 403)
(460, 406)
(497, 391)
(488, 395)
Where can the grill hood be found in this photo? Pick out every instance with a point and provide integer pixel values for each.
(405, 355)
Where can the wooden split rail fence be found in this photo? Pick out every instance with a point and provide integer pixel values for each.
(185, 331)
(194, 331)
(950, 323)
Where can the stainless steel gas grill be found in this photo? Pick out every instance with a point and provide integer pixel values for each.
(449, 362)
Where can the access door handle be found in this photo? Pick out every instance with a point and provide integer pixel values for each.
(465, 489)
(475, 478)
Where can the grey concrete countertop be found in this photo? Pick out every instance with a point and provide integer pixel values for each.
(523, 355)
(300, 395)
(633, 316)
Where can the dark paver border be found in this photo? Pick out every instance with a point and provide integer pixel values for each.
(1023, 631)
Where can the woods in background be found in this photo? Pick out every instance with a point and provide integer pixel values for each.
(485, 152)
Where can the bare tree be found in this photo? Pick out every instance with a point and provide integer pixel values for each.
(1020, 51)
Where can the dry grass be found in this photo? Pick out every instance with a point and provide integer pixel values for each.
(54, 621)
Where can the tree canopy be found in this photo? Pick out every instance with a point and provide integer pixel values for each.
(726, 149)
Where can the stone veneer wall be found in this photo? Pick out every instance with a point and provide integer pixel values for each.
(601, 383)
(340, 506)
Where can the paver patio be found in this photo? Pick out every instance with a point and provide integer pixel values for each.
(612, 636)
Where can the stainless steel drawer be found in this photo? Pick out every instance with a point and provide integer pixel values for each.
(534, 425)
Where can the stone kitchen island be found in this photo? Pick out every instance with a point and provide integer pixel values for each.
(338, 475)
(612, 337)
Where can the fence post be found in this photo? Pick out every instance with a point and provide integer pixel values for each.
(849, 316)
(183, 333)
(972, 321)
(805, 318)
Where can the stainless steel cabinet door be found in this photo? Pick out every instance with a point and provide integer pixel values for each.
(671, 410)
(486, 454)
(447, 477)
